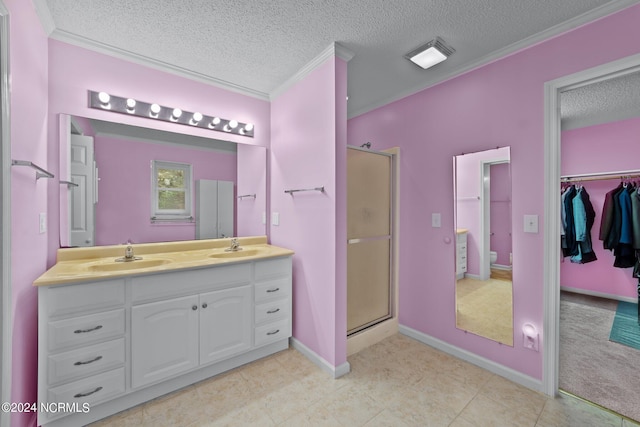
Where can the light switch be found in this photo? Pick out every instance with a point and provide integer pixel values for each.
(275, 218)
(43, 222)
(436, 220)
(531, 223)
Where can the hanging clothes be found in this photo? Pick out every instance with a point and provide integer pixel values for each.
(617, 228)
(569, 245)
(583, 219)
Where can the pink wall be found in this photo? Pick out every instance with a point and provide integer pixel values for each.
(74, 70)
(602, 148)
(124, 204)
(307, 155)
(252, 179)
(468, 206)
(500, 104)
(29, 87)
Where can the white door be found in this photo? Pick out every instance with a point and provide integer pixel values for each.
(225, 209)
(83, 196)
(225, 323)
(164, 339)
(206, 209)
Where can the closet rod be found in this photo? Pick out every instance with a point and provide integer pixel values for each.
(601, 176)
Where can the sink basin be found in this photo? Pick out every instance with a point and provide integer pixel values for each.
(131, 265)
(238, 254)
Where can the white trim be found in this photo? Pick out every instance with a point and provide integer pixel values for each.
(5, 217)
(154, 63)
(551, 294)
(334, 49)
(489, 365)
(44, 14)
(502, 267)
(334, 371)
(599, 12)
(598, 294)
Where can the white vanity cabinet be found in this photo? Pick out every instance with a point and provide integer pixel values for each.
(121, 342)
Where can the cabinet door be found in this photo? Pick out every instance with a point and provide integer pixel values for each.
(226, 321)
(164, 339)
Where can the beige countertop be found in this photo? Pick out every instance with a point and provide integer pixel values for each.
(461, 231)
(98, 263)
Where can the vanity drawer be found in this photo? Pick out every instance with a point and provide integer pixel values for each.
(272, 289)
(274, 310)
(461, 238)
(74, 299)
(272, 332)
(166, 285)
(273, 267)
(85, 361)
(80, 331)
(92, 390)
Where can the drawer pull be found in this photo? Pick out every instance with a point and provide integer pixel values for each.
(89, 393)
(273, 290)
(84, 331)
(273, 311)
(194, 308)
(204, 305)
(95, 359)
(273, 332)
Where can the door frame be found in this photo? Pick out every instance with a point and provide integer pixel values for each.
(388, 327)
(485, 215)
(552, 140)
(5, 217)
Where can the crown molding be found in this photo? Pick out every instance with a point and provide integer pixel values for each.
(577, 21)
(335, 49)
(44, 14)
(106, 49)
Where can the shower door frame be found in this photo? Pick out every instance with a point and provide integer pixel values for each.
(391, 237)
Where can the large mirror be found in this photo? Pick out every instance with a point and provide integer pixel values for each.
(484, 286)
(209, 188)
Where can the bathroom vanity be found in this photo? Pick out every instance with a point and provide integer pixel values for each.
(114, 335)
(461, 253)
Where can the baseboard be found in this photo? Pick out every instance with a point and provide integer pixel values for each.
(489, 365)
(334, 371)
(599, 294)
(501, 267)
(472, 276)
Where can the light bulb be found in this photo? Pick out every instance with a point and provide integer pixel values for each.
(196, 118)
(176, 114)
(131, 105)
(248, 127)
(104, 98)
(233, 124)
(155, 110)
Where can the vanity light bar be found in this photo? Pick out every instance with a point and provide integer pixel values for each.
(118, 104)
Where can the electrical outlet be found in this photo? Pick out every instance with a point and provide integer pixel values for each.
(436, 220)
(43, 222)
(531, 223)
(275, 218)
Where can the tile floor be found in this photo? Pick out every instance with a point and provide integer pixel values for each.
(397, 382)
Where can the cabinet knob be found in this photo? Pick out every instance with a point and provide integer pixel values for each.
(194, 308)
(204, 305)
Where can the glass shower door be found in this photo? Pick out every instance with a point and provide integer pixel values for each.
(369, 225)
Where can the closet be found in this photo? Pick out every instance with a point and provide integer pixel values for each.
(599, 163)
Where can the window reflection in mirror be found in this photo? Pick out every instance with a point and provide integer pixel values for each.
(116, 203)
(484, 286)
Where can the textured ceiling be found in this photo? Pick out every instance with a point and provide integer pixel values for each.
(607, 101)
(256, 46)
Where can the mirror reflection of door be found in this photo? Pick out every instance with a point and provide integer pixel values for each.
(484, 286)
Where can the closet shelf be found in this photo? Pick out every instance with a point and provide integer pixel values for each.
(628, 174)
(40, 172)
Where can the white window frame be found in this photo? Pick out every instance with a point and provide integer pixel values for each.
(158, 214)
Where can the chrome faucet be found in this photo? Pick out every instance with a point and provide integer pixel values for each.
(128, 255)
(235, 246)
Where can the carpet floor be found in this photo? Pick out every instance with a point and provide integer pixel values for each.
(591, 366)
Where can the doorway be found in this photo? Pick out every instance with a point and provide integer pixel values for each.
(370, 244)
(552, 254)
